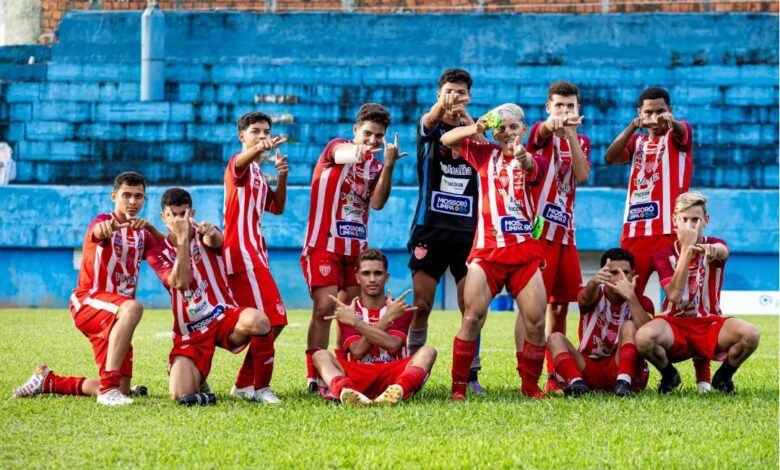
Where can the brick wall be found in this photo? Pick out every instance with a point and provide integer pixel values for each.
(52, 11)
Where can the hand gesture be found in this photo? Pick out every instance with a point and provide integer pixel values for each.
(270, 144)
(481, 124)
(638, 122)
(603, 276)
(107, 228)
(707, 249)
(397, 307)
(561, 125)
(624, 287)
(343, 313)
(521, 154)
(179, 225)
(137, 223)
(205, 229)
(282, 167)
(391, 151)
(362, 152)
(665, 120)
(688, 236)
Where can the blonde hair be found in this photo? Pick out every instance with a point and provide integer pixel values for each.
(690, 199)
(509, 111)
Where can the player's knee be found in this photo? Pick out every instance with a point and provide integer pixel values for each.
(424, 307)
(645, 339)
(471, 320)
(556, 342)
(534, 324)
(750, 336)
(429, 353)
(322, 311)
(320, 357)
(258, 324)
(131, 311)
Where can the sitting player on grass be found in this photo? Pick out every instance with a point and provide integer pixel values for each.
(190, 266)
(691, 274)
(610, 313)
(373, 331)
(103, 304)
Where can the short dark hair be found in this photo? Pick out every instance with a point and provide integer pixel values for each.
(617, 254)
(563, 88)
(374, 113)
(653, 93)
(455, 76)
(371, 255)
(130, 178)
(250, 118)
(175, 197)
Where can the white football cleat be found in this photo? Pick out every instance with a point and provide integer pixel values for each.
(703, 387)
(113, 397)
(266, 395)
(34, 385)
(392, 395)
(353, 398)
(247, 393)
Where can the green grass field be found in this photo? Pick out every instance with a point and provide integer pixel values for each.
(501, 429)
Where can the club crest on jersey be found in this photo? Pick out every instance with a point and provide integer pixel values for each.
(350, 230)
(556, 215)
(565, 162)
(280, 309)
(644, 211)
(325, 269)
(451, 204)
(516, 226)
(420, 252)
(195, 255)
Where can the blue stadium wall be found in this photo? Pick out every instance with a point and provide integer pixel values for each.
(74, 118)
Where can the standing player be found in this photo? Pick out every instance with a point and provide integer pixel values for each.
(247, 197)
(189, 264)
(661, 167)
(446, 216)
(373, 333)
(103, 305)
(504, 251)
(348, 181)
(691, 272)
(611, 311)
(569, 155)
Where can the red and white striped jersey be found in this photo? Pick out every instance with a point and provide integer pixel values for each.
(112, 265)
(600, 324)
(208, 294)
(340, 202)
(555, 195)
(247, 197)
(506, 206)
(399, 328)
(701, 296)
(661, 170)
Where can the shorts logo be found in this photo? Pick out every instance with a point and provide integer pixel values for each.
(324, 269)
(556, 215)
(451, 204)
(645, 211)
(280, 306)
(202, 324)
(516, 226)
(351, 230)
(420, 252)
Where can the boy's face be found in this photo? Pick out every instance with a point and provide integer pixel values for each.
(372, 277)
(649, 112)
(563, 106)
(253, 134)
(128, 200)
(458, 91)
(369, 133)
(505, 134)
(616, 267)
(176, 211)
(691, 217)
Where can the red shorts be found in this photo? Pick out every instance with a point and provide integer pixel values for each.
(601, 374)
(372, 379)
(200, 347)
(513, 266)
(257, 288)
(322, 269)
(562, 273)
(695, 337)
(643, 249)
(94, 315)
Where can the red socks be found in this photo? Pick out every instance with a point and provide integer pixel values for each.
(529, 365)
(338, 383)
(566, 366)
(262, 349)
(702, 367)
(411, 380)
(550, 362)
(462, 355)
(627, 362)
(64, 385)
(311, 374)
(246, 374)
(109, 380)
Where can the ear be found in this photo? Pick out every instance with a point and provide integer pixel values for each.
(547, 107)
(113, 196)
(162, 216)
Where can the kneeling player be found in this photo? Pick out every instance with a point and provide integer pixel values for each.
(691, 274)
(189, 263)
(373, 331)
(610, 312)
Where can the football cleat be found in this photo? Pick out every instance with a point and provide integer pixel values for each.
(353, 398)
(723, 385)
(138, 391)
(667, 384)
(247, 393)
(474, 384)
(34, 385)
(392, 395)
(577, 389)
(623, 389)
(312, 386)
(266, 395)
(458, 396)
(703, 387)
(552, 386)
(200, 399)
(113, 397)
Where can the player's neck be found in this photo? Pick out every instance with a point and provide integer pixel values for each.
(613, 298)
(120, 216)
(373, 302)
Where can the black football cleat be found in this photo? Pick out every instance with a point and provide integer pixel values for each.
(669, 383)
(623, 389)
(577, 388)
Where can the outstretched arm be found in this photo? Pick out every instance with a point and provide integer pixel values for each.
(618, 146)
(248, 155)
(382, 191)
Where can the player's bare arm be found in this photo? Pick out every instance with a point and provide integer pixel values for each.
(396, 307)
(668, 122)
(626, 288)
(580, 164)
(105, 229)
(249, 154)
(212, 237)
(615, 150)
(590, 293)
(712, 251)
(688, 237)
(280, 192)
(179, 225)
(385, 182)
(453, 138)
